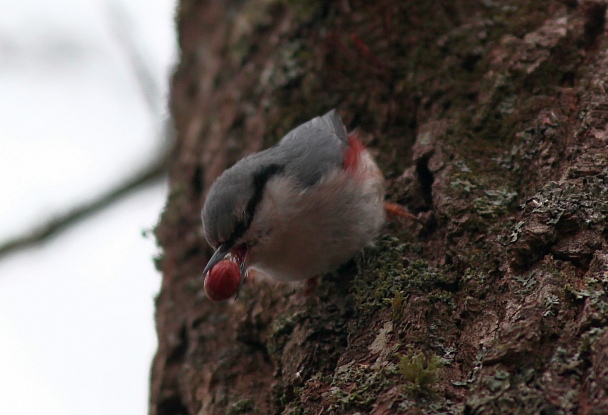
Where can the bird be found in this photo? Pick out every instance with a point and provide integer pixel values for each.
(300, 208)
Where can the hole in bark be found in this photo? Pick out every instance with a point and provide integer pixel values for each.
(196, 182)
(450, 286)
(469, 61)
(567, 79)
(595, 16)
(171, 406)
(254, 343)
(426, 179)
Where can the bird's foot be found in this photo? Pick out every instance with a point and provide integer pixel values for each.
(395, 210)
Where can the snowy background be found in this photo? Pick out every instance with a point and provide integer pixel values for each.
(76, 313)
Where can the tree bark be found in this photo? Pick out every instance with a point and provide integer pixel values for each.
(489, 121)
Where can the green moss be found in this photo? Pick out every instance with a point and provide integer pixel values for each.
(383, 277)
(588, 338)
(397, 304)
(357, 386)
(244, 406)
(282, 327)
(505, 393)
(526, 391)
(597, 302)
(444, 297)
(589, 201)
(494, 203)
(487, 199)
(421, 371)
(575, 295)
(293, 409)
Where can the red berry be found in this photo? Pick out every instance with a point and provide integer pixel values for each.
(223, 281)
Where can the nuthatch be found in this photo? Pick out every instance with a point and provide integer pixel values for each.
(300, 208)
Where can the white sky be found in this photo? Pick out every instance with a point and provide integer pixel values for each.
(76, 314)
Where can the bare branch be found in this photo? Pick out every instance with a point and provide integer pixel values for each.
(147, 176)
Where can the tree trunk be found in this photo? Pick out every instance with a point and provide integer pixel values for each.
(488, 119)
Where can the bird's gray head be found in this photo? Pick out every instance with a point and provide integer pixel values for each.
(233, 198)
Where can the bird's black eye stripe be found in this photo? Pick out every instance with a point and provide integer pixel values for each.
(260, 178)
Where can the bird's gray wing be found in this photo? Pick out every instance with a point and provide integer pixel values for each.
(331, 122)
(313, 149)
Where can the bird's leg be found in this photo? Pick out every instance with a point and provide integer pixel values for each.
(395, 210)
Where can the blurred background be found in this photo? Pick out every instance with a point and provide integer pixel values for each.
(83, 125)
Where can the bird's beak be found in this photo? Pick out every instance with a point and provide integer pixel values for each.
(217, 256)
